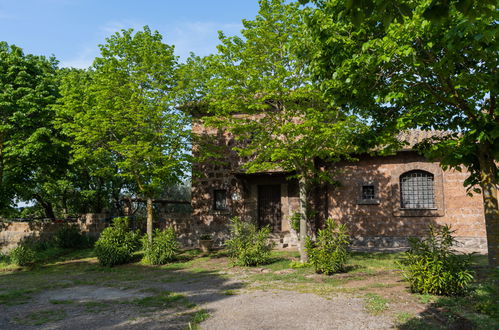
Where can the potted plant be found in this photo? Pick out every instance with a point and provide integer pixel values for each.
(205, 242)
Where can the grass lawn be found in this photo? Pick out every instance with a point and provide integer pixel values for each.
(70, 286)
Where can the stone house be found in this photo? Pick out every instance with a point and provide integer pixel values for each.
(384, 200)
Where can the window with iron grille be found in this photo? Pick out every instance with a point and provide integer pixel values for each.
(220, 199)
(417, 190)
(368, 192)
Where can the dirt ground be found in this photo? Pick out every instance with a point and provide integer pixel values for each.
(206, 292)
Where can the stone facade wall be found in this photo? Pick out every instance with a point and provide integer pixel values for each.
(385, 223)
(382, 223)
(223, 171)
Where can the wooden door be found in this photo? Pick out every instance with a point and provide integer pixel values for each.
(269, 207)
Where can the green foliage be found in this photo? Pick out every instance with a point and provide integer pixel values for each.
(416, 73)
(69, 237)
(432, 267)
(123, 118)
(31, 151)
(248, 246)
(23, 255)
(117, 243)
(163, 248)
(295, 221)
(329, 253)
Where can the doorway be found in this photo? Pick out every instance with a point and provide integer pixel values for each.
(269, 207)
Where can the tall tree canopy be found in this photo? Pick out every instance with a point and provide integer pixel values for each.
(420, 73)
(124, 120)
(261, 91)
(31, 153)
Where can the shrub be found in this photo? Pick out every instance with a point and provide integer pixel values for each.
(295, 221)
(23, 255)
(69, 237)
(248, 246)
(432, 267)
(162, 249)
(329, 253)
(117, 243)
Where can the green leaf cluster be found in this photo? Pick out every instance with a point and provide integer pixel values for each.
(329, 253)
(248, 246)
(117, 243)
(163, 248)
(23, 255)
(432, 267)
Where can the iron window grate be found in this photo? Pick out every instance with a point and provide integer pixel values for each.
(417, 190)
(368, 192)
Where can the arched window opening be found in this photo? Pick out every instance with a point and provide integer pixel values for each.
(417, 190)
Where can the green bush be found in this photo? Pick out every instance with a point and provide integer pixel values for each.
(22, 255)
(432, 267)
(162, 249)
(329, 253)
(69, 237)
(248, 246)
(117, 243)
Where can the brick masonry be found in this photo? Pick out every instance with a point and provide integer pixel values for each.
(380, 224)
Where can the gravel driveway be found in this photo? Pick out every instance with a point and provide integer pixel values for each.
(290, 310)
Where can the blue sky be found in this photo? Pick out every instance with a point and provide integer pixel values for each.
(72, 29)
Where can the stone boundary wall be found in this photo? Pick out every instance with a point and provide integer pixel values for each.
(463, 244)
(13, 232)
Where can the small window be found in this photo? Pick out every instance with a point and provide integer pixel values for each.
(220, 199)
(368, 192)
(416, 190)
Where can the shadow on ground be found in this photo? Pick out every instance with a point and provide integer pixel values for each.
(84, 294)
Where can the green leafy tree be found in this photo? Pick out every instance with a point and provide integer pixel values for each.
(283, 125)
(418, 73)
(126, 121)
(31, 152)
(92, 183)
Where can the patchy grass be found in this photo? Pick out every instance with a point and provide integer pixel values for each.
(374, 276)
(61, 302)
(42, 317)
(376, 304)
(403, 317)
(16, 296)
(96, 306)
(230, 292)
(163, 300)
(197, 318)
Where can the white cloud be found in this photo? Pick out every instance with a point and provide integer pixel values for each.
(198, 37)
(83, 60)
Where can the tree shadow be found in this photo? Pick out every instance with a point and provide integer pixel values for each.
(198, 285)
(479, 309)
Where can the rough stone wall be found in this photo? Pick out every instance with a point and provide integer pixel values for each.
(385, 223)
(213, 173)
(380, 224)
(223, 171)
(11, 233)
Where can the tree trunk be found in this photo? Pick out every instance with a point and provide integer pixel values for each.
(149, 219)
(489, 192)
(302, 184)
(47, 207)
